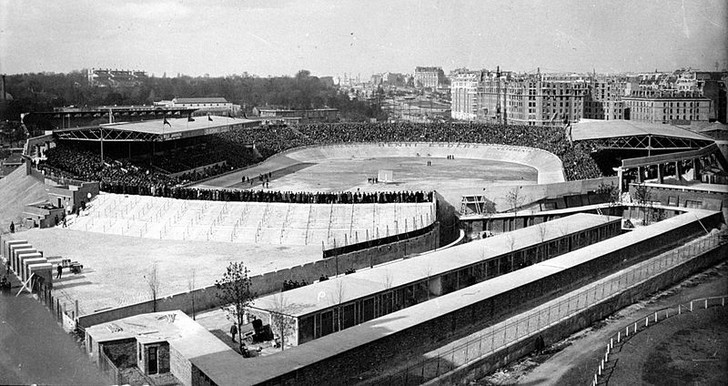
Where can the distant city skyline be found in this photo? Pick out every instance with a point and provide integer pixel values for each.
(361, 37)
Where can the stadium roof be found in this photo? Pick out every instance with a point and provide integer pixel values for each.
(600, 129)
(157, 130)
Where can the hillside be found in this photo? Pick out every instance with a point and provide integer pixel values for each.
(16, 191)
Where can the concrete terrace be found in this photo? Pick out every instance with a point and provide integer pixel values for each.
(115, 266)
(250, 222)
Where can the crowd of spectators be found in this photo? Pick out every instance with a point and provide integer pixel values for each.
(236, 149)
(69, 162)
(245, 195)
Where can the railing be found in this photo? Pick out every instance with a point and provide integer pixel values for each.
(508, 332)
(608, 364)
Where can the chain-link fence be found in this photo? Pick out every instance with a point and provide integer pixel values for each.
(528, 324)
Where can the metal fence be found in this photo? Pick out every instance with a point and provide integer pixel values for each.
(526, 325)
(608, 364)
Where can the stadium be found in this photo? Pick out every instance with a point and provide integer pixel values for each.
(439, 234)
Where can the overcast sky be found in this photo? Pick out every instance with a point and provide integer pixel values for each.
(364, 36)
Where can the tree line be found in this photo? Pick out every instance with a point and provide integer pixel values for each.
(45, 91)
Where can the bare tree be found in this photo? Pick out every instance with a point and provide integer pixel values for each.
(542, 231)
(280, 318)
(515, 200)
(235, 293)
(153, 283)
(428, 273)
(511, 241)
(643, 196)
(388, 279)
(608, 193)
(564, 231)
(337, 298)
(191, 288)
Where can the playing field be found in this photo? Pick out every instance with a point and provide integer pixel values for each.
(452, 178)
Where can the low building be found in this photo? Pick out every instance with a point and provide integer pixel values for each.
(155, 343)
(204, 106)
(291, 116)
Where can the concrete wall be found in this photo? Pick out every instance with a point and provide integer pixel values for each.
(681, 197)
(549, 166)
(180, 366)
(271, 282)
(477, 369)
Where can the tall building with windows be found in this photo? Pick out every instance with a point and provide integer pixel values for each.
(428, 77)
(603, 97)
(666, 106)
(464, 87)
(518, 99)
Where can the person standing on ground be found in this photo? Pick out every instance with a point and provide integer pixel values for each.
(59, 271)
(233, 331)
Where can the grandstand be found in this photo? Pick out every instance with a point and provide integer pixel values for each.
(273, 223)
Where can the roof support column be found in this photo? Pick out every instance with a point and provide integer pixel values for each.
(660, 173)
(640, 174)
(696, 168)
(620, 175)
(678, 170)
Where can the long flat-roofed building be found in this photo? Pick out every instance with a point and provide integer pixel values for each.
(298, 116)
(333, 305)
(204, 106)
(666, 106)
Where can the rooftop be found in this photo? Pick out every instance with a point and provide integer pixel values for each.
(599, 129)
(307, 299)
(184, 334)
(269, 367)
(200, 100)
(210, 125)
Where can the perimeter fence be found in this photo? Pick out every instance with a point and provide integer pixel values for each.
(608, 363)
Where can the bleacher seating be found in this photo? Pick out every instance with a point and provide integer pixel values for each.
(248, 222)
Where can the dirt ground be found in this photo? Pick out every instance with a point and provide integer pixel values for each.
(573, 360)
(686, 349)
